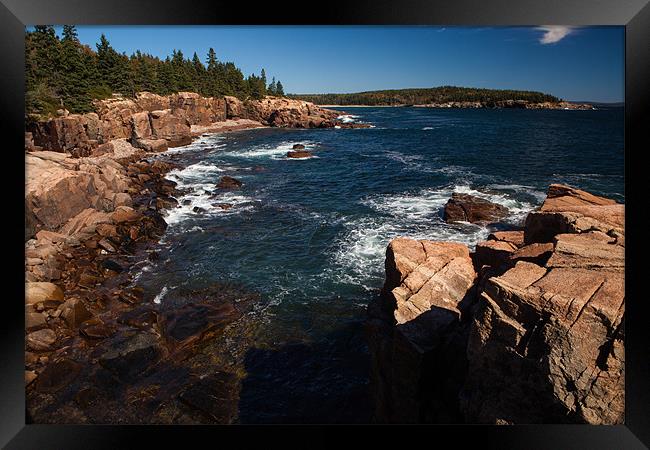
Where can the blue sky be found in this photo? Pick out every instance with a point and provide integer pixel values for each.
(571, 63)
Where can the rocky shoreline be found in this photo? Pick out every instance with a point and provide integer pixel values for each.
(97, 350)
(529, 328)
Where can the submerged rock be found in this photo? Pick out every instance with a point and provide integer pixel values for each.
(133, 356)
(215, 396)
(226, 182)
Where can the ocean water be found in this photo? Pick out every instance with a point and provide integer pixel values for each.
(310, 235)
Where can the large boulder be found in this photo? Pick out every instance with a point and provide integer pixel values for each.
(196, 109)
(234, 108)
(115, 114)
(175, 130)
(36, 292)
(65, 134)
(547, 337)
(428, 285)
(140, 126)
(547, 346)
(470, 208)
(570, 210)
(537, 337)
(59, 187)
(152, 102)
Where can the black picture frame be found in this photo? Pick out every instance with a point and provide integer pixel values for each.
(633, 14)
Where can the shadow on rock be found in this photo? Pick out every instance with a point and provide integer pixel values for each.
(308, 382)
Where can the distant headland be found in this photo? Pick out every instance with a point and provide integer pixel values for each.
(446, 97)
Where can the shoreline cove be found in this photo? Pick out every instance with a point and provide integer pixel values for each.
(220, 269)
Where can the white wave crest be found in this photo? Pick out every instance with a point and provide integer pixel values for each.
(275, 152)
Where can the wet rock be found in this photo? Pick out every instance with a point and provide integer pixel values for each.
(133, 355)
(36, 292)
(106, 230)
(131, 296)
(41, 340)
(87, 397)
(30, 376)
(109, 264)
(298, 147)
(35, 321)
(227, 182)
(164, 202)
(299, 154)
(189, 322)
(143, 318)
(215, 396)
(58, 375)
(107, 245)
(469, 208)
(46, 305)
(198, 209)
(124, 214)
(96, 329)
(349, 125)
(88, 280)
(224, 205)
(187, 202)
(74, 312)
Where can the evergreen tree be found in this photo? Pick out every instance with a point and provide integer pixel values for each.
(279, 89)
(75, 83)
(198, 75)
(272, 89)
(63, 72)
(263, 78)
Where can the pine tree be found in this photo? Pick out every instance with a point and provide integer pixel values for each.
(63, 72)
(272, 89)
(198, 75)
(75, 84)
(279, 89)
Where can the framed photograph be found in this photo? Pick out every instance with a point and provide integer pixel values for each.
(256, 221)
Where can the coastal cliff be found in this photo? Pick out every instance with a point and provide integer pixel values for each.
(154, 123)
(529, 328)
(94, 204)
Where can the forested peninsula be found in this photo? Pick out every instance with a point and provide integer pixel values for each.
(63, 73)
(445, 97)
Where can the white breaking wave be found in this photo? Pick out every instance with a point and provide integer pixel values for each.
(276, 152)
(362, 247)
(203, 143)
(202, 199)
(347, 118)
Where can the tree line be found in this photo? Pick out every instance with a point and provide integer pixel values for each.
(63, 73)
(442, 94)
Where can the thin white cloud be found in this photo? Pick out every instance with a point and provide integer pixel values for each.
(554, 33)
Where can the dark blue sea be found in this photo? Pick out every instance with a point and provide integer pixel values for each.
(310, 235)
